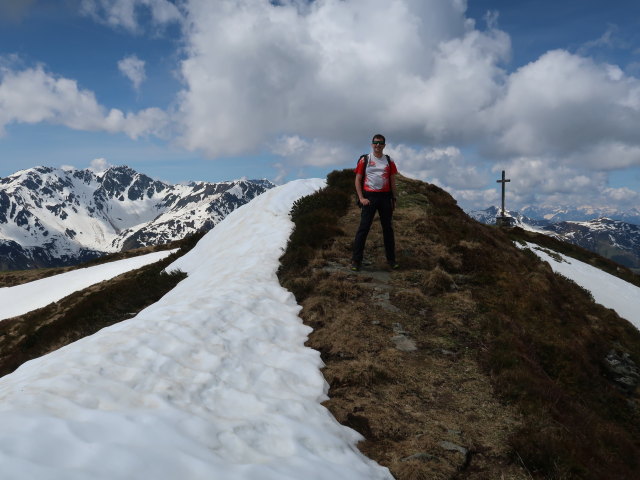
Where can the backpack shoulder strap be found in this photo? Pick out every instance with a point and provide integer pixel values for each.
(364, 171)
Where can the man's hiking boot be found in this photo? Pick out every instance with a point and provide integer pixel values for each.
(355, 266)
(394, 265)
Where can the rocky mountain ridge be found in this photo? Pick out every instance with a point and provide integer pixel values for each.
(53, 217)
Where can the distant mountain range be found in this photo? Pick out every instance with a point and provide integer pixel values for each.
(580, 214)
(614, 239)
(54, 217)
(489, 216)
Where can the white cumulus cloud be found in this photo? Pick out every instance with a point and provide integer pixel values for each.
(562, 104)
(133, 68)
(99, 165)
(622, 196)
(315, 152)
(33, 95)
(446, 167)
(312, 80)
(126, 13)
(334, 70)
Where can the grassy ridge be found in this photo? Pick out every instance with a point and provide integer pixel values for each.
(470, 300)
(538, 336)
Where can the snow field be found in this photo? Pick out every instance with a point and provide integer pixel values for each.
(24, 298)
(608, 290)
(212, 381)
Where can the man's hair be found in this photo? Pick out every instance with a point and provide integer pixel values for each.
(380, 137)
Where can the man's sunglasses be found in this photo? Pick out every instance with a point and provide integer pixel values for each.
(378, 143)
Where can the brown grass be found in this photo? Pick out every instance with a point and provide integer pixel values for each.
(405, 403)
(508, 358)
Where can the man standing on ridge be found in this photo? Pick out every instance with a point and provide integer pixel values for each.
(376, 189)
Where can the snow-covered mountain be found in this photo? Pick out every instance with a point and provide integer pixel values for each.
(489, 215)
(619, 241)
(52, 217)
(580, 214)
(613, 239)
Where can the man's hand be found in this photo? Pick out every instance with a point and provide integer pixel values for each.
(365, 201)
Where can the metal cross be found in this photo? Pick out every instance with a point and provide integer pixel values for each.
(503, 181)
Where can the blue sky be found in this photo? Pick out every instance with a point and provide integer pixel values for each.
(202, 90)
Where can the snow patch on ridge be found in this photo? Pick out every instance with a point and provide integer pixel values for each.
(24, 298)
(608, 290)
(212, 381)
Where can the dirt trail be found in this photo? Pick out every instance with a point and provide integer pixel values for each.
(401, 354)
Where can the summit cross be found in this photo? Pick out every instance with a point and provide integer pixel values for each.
(503, 181)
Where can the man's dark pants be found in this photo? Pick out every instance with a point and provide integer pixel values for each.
(381, 203)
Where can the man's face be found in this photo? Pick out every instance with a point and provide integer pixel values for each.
(378, 146)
